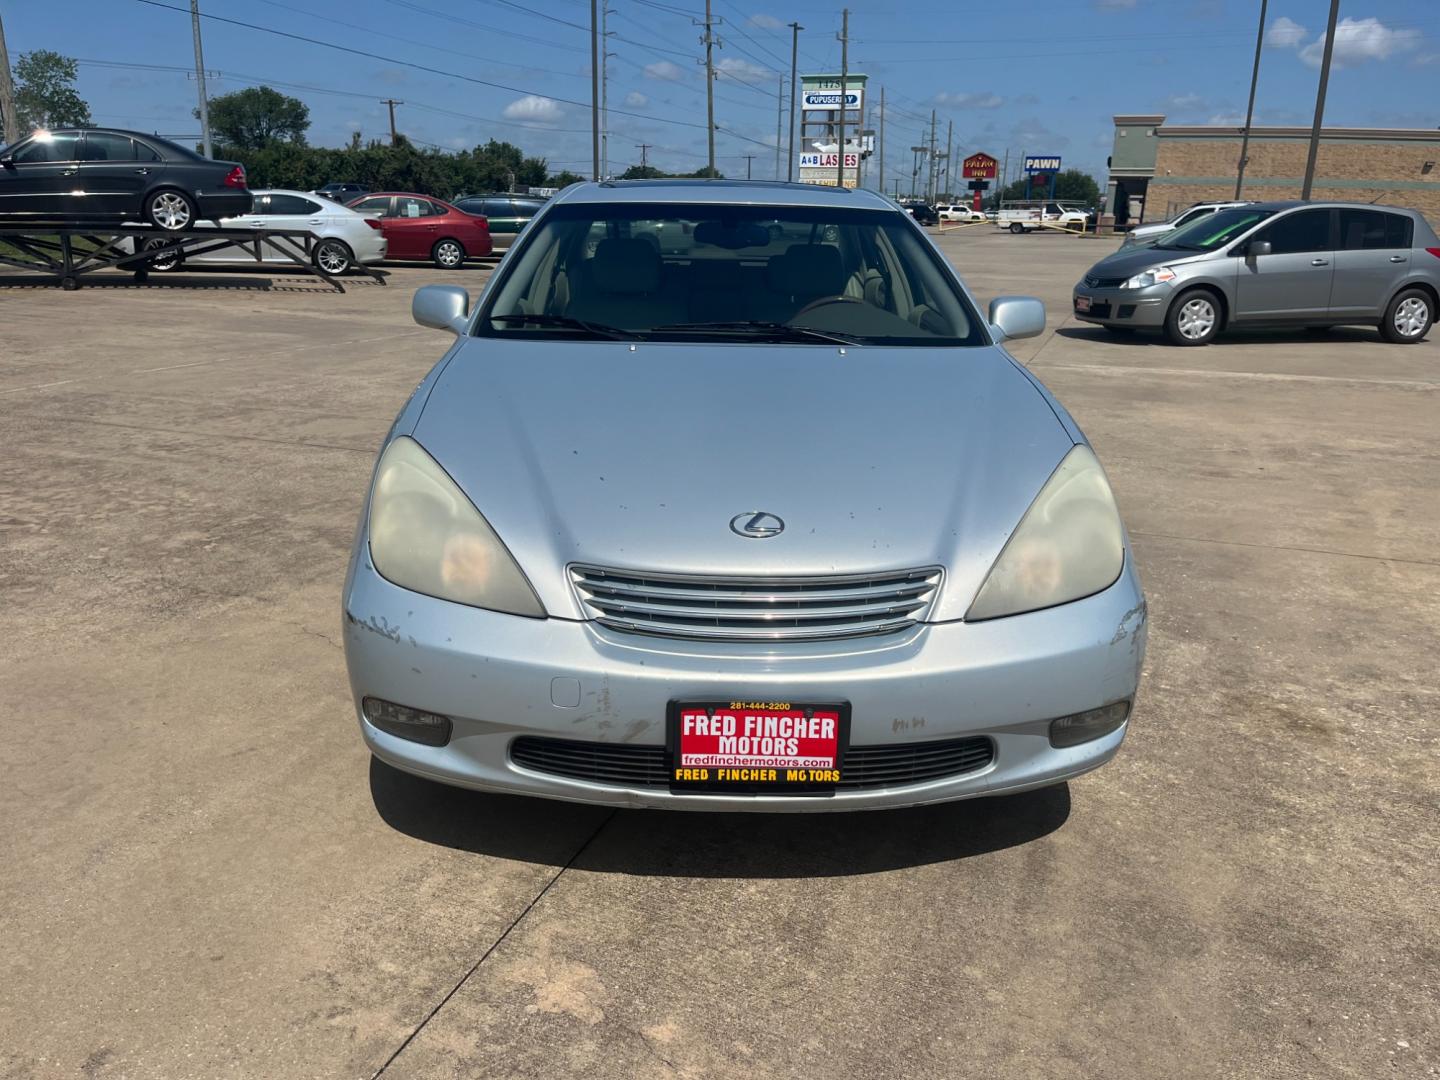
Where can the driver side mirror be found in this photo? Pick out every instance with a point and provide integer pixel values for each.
(1255, 250)
(441, 307)
(7, 161)
(1017, 316)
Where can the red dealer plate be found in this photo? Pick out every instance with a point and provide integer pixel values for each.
(756, 746)
(1082, 303)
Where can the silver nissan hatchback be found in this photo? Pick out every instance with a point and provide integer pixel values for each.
(727, 497)
(1273, 264)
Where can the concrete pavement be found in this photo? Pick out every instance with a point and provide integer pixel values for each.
(203, 873)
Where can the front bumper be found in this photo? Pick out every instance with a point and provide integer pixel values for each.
(1123, 307)
(499, 677)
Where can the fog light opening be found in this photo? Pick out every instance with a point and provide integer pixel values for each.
(1082, 727)
(403, 722)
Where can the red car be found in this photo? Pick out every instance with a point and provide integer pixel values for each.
(421, 227)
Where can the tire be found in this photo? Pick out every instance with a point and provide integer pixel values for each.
(1408, 317)
(170, 261)
(333, 257)
(1016, 228)
(448, 254)
(170, 210)
(1193, 318)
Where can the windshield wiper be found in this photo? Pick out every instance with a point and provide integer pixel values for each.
(761, 329)
(566, 322)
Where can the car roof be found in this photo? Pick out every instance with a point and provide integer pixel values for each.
(1276, 205)
(744, 192)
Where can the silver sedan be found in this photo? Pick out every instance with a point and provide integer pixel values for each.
(344, 236)
(726, 497)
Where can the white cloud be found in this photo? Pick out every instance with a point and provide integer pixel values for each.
(744, 71)
(1114, 5)
(1285, 34)
(535, 109)
(765, 22)
(636, 100)
(969, 101)
(1226, 120)
(664, 70)
(1185, 103)
(1358, 40)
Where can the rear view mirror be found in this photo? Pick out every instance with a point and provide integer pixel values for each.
(1017, 316)
(1256, 249)
(441, 307)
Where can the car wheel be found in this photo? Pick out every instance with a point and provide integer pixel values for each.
(1194, 318)
(1408, 318)
(1016, 228)
(171, 210)
(333, 257)
(448, 254)
(170, 260)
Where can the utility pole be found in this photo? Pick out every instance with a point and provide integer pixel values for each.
(595, 89)
(779, 121)
(795, 29)
(1250, 109)
(844, 36)
(11, 132)
(1320, 102)
(949, 145)
(882, 140)
(605, 55)
(934, 163)
(710, 41)
(749, 161)
(1004, 179)
(392, 103)
(644, 149)
(199, 79)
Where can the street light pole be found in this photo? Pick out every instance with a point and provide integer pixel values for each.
(1250, 109)
(595, 89)
(882, 140)
(795, 29)
(1320, 102)
(840, 115)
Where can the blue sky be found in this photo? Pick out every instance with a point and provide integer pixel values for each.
(1042, 77)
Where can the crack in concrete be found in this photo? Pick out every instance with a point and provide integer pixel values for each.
(1284, 547)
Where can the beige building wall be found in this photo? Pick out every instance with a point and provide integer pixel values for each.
(1383, 167)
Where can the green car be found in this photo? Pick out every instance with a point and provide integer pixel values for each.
(508, 214)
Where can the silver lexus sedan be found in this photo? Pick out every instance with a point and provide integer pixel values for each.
(727, 497)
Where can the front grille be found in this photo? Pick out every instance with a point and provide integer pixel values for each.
(756, 608)
(627, 765)
(1092, 282)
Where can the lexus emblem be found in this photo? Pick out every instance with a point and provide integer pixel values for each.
(756, 524)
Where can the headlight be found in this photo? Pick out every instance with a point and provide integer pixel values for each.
(426, 536)
(1154, 276)
(1068, 545)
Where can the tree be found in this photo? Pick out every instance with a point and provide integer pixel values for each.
(256, 117)
(45, 92)
(1071, 186)
(564, 178)
(641, 172)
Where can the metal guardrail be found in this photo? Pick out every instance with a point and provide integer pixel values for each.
(52, 251)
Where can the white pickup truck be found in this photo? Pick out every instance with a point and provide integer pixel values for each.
(1021, 217)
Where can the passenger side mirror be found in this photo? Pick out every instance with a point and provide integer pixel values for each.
(1017, 316)
(1255, 250)
(441, 307)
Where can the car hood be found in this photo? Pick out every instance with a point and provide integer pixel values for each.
(639, 457)
(1129, 261)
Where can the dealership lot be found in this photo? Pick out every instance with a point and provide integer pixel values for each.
(203, 873)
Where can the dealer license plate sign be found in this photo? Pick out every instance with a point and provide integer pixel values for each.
(756, 747)
(1082, 303)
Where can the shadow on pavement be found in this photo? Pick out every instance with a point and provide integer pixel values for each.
(669, 843)
(1334, 334)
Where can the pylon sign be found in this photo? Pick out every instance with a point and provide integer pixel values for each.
(980, 167)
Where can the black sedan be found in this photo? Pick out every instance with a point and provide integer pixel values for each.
(94, 175)
(923, 212)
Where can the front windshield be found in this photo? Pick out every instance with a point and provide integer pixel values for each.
(667, 271)
(1212, 231)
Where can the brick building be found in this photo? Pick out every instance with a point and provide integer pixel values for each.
(1156, 171)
